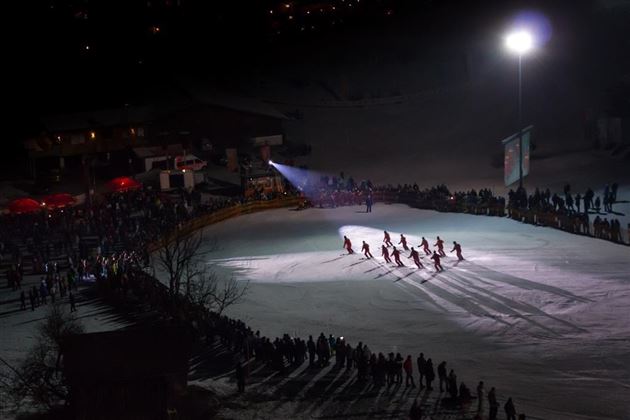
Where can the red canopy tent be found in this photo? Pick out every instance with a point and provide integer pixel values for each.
(55, 201)
(123, 183)
(24, 205)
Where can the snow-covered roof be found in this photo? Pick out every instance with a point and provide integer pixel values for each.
(235, 102)
(102, 118)
(136, 114)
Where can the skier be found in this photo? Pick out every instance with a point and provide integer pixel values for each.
(366, 250)
(436, 263)
(416, 258)
(347, 245)
(385, 253)
(440, 245)
(387, 239)
(403, 241)
(396, 255)
(425, 246)
(458, 250)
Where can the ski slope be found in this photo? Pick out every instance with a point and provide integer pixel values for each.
(540, 314)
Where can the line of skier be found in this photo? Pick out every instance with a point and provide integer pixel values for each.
(436, 256)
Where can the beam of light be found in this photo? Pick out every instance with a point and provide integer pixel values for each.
(304, 180)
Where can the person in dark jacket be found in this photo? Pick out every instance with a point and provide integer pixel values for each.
(415, 413)
(441, 371)
(240, 377)
(408, 367)
(430, 374)
(493, 405)
(421, 367)
(510, 411)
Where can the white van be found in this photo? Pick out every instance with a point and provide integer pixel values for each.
(190, 162)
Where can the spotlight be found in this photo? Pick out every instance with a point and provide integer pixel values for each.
(270, 162)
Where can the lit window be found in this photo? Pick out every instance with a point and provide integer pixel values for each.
(92, 135)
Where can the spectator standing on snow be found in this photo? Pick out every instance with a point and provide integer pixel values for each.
(415, 413)
(73, 307)
(421, 362)
(480, 397)
(429, 373)
(510, 411)
(493, 405)
(240, 377)
(408, 366)
(441, 371)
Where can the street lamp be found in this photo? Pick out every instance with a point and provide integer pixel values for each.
(520, 42)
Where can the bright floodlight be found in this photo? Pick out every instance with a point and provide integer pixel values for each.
(520, 42)
(270, 162)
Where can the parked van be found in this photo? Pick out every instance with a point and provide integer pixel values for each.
(190, 162)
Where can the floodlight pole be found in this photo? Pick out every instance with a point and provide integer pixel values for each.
(520, 121)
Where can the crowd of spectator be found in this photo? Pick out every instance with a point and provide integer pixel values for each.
(123, 224)
(568, 211)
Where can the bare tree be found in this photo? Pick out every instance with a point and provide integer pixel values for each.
(38, 379)
(177, 256)
(181, 258)
(213, 293)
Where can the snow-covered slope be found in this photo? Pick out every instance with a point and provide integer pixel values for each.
(538, 313)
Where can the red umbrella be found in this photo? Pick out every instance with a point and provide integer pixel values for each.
(54, 201)
(123, 183)
(24, 205)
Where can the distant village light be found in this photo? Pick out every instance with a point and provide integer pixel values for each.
(92, 135)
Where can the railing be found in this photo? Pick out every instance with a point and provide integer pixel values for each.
(228, 213)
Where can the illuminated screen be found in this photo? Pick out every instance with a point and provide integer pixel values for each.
(511, 157)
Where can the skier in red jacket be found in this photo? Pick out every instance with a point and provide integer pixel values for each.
(458, 250)
(425, 246)
(436, 262)
(403, 241)
(440, 245)
(396, 255)
(416, 258)
(347, 245)
(385, 253)
(387, 239)
(366, 250)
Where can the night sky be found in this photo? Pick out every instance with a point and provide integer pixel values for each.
(77, 55)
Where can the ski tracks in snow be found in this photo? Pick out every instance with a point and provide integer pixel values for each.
(461, 291)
